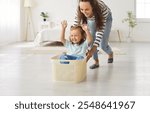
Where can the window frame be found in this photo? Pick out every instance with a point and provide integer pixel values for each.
(140, 20)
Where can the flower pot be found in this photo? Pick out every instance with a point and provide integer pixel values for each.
(44, 19)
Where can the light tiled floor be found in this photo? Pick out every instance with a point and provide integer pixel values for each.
(27, 71)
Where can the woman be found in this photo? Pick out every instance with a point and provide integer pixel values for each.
(98, 17)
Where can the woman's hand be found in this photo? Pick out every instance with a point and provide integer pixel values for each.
(90, 53)
(64, 24)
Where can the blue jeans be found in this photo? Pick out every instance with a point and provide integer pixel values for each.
(69, 57)
(104, 41)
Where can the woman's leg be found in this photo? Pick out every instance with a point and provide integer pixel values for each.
(96, 64)
(92, 28)
(104, 42)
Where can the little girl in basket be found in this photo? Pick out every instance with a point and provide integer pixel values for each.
(79, 41)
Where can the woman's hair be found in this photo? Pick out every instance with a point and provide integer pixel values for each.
(83, 34)
(97, 11)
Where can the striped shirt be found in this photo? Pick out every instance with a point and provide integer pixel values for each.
(99, 33)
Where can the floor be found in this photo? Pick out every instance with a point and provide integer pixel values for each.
(25, 72)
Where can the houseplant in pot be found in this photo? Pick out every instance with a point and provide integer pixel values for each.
(44, 15)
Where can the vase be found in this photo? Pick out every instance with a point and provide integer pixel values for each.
(130, 35)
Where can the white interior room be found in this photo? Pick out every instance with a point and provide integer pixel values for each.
(26, 64)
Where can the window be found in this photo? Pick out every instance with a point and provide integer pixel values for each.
(142, 9)
(9, 20)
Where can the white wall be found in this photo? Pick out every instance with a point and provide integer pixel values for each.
(65, 9)
(57, 10)
(119, 9)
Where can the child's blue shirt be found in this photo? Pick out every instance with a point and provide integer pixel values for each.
(76, 49)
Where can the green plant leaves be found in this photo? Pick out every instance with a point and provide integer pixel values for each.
(131, 19)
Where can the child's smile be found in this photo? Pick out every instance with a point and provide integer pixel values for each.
(75, 36)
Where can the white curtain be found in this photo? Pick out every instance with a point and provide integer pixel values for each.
(9, 21)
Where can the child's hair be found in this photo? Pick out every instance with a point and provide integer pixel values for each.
(83, 34)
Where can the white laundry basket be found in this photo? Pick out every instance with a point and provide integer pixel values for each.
(73, 71)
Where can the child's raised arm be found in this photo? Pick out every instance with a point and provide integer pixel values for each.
(89, 36)
(64, 26)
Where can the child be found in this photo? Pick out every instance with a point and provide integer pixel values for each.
(79, 40)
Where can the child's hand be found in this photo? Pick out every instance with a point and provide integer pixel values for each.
(88, 35)
(85, 27)
(64, 24)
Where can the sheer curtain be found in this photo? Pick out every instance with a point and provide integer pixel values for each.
(9, 21)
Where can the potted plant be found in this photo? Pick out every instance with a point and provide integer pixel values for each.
(131, 20)
(44, 15)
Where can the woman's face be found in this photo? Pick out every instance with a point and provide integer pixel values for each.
(86, 9)
(75, 36)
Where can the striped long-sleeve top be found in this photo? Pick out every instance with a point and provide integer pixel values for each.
(99, 33)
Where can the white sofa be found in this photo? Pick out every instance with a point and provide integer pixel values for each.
(50, 34)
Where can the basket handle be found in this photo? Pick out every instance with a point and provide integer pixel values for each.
(64, 62)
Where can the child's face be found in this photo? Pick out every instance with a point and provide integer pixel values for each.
(75, 36)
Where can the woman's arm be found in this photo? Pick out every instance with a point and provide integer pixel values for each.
(90, 53)
(64, 26)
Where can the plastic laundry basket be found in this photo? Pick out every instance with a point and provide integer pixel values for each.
(72, 70)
